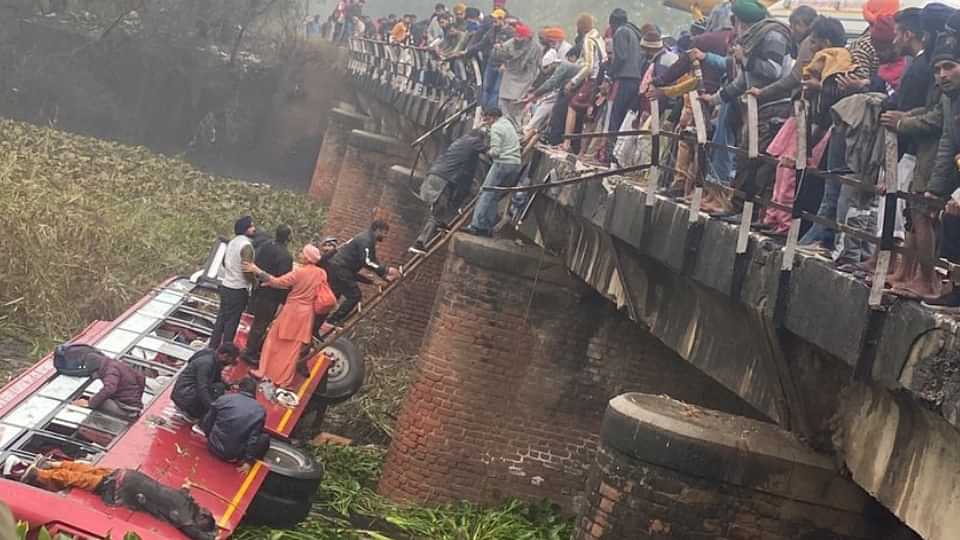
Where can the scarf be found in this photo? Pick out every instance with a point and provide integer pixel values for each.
(756, 33)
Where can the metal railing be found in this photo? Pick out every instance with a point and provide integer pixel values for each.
(420, 71)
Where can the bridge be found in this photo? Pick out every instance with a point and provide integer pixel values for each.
(655, 371)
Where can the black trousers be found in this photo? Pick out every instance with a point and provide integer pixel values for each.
(627, 90)
(192, 405)
(558, 119)
(343, 283)
(755, 177)
(264, 306)
(232, 304)
(950, 238)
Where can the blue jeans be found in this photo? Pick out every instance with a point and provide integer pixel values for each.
(722, 160)
(490, 91)
(485, 213)
(836, 196)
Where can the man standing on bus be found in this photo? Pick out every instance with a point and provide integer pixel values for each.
(235, 284)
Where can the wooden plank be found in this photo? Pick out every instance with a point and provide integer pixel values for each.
(697, 108)
(753, 135)
(790, 250)
(744, 235)
(653, 177)
(800, 113)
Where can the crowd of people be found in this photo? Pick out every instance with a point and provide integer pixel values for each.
(902, 74)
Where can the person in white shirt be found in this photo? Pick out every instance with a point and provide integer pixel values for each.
(235, 284)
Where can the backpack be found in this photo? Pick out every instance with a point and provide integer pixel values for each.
(77, 360)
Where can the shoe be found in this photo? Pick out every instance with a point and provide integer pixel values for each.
(477, 232)
(196, 429)
(9, 464)
(947, 303)
(416, 250)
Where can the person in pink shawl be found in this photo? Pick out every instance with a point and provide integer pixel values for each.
(293, 327)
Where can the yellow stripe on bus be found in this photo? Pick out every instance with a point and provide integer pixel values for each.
(302, 391)
(244, 487)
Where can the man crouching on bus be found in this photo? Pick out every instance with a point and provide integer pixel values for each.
(234, 426)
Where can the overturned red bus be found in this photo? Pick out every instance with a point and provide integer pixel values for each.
(157, 336)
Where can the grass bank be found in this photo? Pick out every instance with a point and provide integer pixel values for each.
(89, 226)
(348, 508)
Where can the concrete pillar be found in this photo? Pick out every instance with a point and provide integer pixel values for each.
(517, 367)
(332, 150)
(360, 183)
(666, 469)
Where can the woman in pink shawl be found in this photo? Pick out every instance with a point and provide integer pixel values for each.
(293, 327)
(784, 146)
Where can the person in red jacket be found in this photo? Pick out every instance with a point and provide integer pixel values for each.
(122, 392)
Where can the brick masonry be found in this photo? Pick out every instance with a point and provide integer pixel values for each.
(515, 372)
(359, 185)
(332, 152)
(677, 471)
(408, 310)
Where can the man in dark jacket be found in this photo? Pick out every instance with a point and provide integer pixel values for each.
(945, 179)
(343, 272)
(274, 258)
(234, 426)
(625, 67)
(448, 182)
(122, 392)
(201, 382)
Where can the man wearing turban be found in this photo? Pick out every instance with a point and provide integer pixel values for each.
(235, 283)
(761, 52)
(520, 58)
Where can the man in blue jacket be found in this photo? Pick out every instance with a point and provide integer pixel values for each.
(234, 426)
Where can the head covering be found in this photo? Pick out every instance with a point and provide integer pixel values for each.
(523, 31)
(498, 14)
(883, 29)
(874, 9)
(933, 16)
(749, 11)
(460, 9)
(585, 22)
(830, 61)
(328, 240)
(554, 33)
(241, 225)
(946, 48)
(618, 17)
(651, 40)
(311, 254)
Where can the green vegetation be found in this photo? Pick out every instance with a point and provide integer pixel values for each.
(89, 226)
(348, 508)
